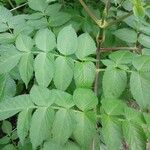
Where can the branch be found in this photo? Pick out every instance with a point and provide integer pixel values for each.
(18, 7)
(119, 48)
(11, 4)
(124, 17)
(119, 19)
(93, 17)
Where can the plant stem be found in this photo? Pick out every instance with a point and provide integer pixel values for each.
(119, 48)
(89, 12)
(100, 40)
(11, 4)
(18, 7)
(96, 84)
(119, 19)
(100, 70)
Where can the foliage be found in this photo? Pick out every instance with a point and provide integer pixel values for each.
(74, 76)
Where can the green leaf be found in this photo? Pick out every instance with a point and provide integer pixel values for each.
(45, 40)
(141, 77)
(6, 38)
(24, 43)
(44, 69)
(114, 82)
(85, 129)
(71, 146)
(147, 118)
(20, 1)
(41, 123)
(14, 135)
(67, 41)
(34, 16)
(147, 126)
(59, 18)
(23, 29)
(16, 21)
(142, 63)
(85, 99)
(3, 27)
(7, 127)
(26, 146)
(113, 106)
(7, 87)
(133, 115)
(121, 57)
(38, 23)
(23, 124)
(134, 135)
(9, 147)
(63, 72)
(4, 140)
(145, 29)
(124, 33)
(38, 5)
(111, 131)
(26, 67)
(86, 46)
(138, 11)
(63, 126)
(140, 87)
(9, 58)
(53, 9)
(49, 1)
(146, 51)
(52, 145)
(108, 63)
(41, 96)
(5, 14)
(14, 105)
(84, 74)
(62, 98)
(144, 40)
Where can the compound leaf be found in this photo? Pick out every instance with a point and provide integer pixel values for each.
(85, 99)
(144, 40)
(86, 46)
(7, 87)
(26, 67)
(124, 33)
(41, 96)
(112, 133)
(5, 14)
(45, 74)
(23, 124)
(62, 98)
(38, 5)
(63, 126)
(63, 72)
(85, 129)
(14, 105)
(134, 135)
(67, 41)
(84, 74)
(24, 43)
(41, 123)
(121, 57)
(9, 58)
(114, 82)
(45, 40)
(140, 92)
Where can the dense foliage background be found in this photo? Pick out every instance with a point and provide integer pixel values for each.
(74, 75)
